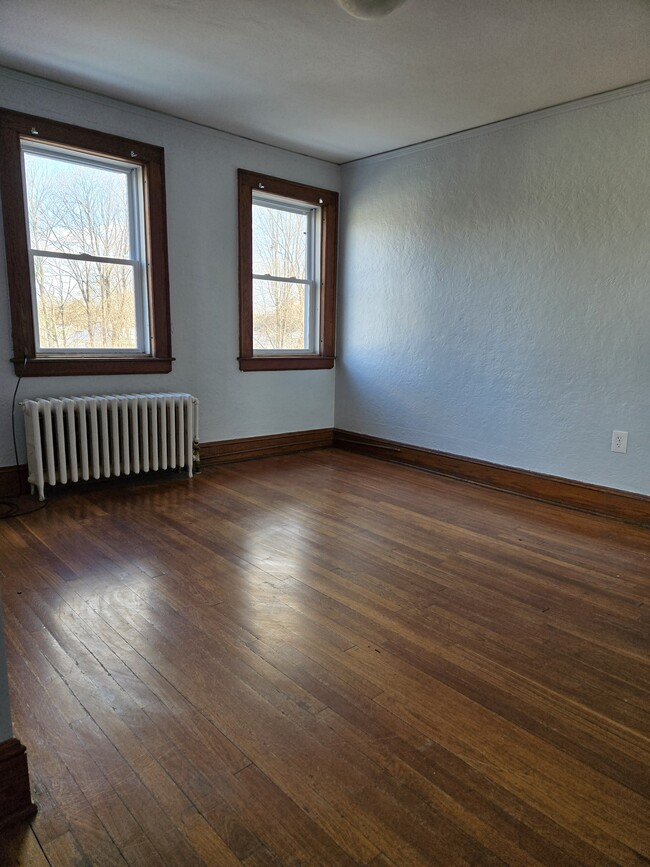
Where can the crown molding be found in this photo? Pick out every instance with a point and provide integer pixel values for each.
(74, 91)
(507, 122)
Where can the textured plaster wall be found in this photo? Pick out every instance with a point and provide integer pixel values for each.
(202, 223)
(495, 295)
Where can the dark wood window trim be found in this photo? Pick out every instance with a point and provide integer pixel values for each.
(328, 202)
(13, 128)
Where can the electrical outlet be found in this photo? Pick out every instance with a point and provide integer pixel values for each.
(619, 441)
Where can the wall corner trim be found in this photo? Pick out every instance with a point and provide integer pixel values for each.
(15, 797)
(598, 500)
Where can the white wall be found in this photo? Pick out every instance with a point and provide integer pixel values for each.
(495, 295)
(201, 183)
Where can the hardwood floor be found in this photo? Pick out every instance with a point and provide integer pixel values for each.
(325, 659)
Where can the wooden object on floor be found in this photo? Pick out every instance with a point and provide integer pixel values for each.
(13, 481)
(595, 499)
(15, 797)
(328, 660)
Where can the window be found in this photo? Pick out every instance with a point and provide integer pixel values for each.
(85, 231)
(287, 273)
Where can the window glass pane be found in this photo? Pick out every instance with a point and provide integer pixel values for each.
(77, 208)
(84, 305)
(279, 315)
(280, 241)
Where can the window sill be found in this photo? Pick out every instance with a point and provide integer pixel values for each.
(85, 366)
(287, 362)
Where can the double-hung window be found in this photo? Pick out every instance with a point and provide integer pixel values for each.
(89, 276)
(286, 244)
(85, 232)
(287, 274)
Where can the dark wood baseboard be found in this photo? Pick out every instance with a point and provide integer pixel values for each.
(598, 500)
(15, 796)
(248, 448)
(11, 483)
(612, 503)
(218, 452)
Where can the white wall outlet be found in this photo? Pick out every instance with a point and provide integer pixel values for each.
(619, 441)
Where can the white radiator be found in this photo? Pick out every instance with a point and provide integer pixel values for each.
(73, 439)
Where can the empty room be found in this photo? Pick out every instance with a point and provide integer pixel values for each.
(324, 433)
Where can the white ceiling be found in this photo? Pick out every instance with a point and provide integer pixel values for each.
(304, 75)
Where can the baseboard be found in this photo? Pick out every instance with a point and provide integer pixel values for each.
(15, 797)
(11, 483)
(217, 452)
(598, 500)
(248, 448)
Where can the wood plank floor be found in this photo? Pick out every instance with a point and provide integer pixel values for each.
(328, 660)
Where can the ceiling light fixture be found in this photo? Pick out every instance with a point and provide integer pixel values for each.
(367, 9)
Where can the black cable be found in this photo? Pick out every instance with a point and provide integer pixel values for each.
(12, 507)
